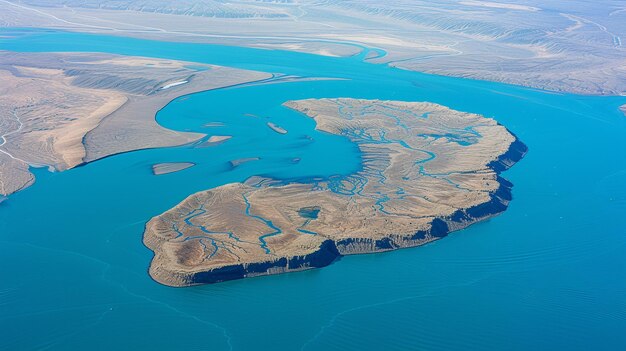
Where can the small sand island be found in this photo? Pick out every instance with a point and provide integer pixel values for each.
(275, 127)
(240, 161)
(63, 110)
(426, 170)
(170, 167)
(214, 140)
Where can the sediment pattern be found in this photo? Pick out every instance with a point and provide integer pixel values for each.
(426, 170)
(61, 110)
(571, 46)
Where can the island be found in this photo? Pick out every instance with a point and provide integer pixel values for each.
(427, 170)
(275, 127)
(240, 161)
(170, 167)
(563, 46)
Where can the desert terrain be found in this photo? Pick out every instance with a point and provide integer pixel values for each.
(426, 170)
(62, 110)
(571, 46)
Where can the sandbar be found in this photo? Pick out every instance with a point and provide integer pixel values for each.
(170, 167)
(275, 127)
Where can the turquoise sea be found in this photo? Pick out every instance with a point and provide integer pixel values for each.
(548, 274)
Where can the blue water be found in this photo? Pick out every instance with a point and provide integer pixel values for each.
(548, 274)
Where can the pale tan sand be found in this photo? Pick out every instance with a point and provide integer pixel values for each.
(218, 138)
(275, 127)
(240, 161)
(214, 124)
(62, 110)
(170, 167)
(214, 140)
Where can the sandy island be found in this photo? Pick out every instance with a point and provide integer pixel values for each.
(214, 140)
(240, 161)
(275, 127)
(427, 170)
(170, 167)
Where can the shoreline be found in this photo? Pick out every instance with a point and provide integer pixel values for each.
(330, 251)
(267, 42)
(328, 247)
(131, 125)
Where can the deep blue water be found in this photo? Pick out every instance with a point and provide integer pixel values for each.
(548, 274)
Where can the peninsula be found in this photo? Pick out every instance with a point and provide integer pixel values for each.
(426, 170)
(62, 110)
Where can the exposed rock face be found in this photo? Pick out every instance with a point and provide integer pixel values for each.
(426, 171)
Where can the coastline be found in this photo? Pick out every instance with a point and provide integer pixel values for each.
(178, 262)
(126, 120)
(331, 251)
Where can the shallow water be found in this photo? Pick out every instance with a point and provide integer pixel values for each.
(549, 273)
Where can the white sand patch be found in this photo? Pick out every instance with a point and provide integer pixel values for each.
(171, 85)
(497, 5)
